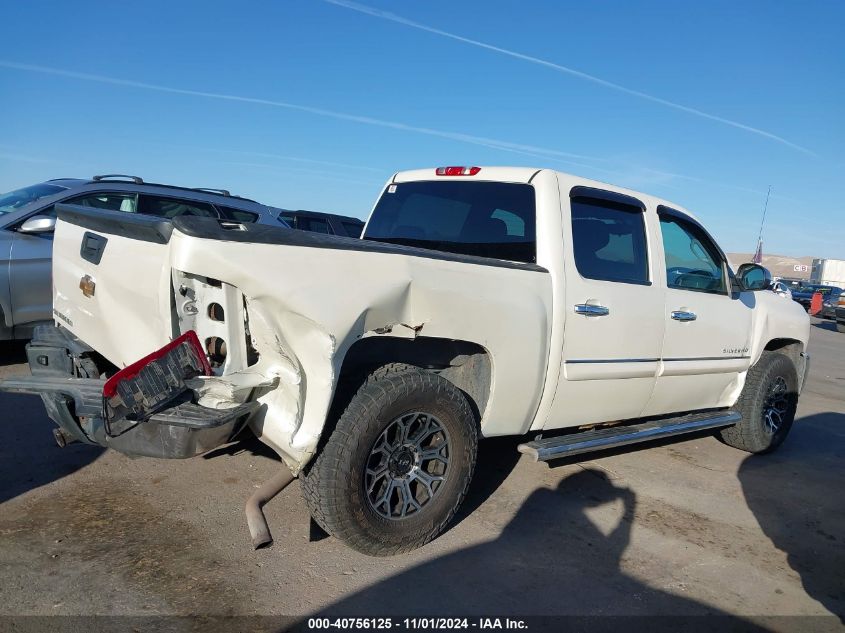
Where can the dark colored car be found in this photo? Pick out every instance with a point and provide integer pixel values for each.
(27, 219)
(328, 223)
(830, 298)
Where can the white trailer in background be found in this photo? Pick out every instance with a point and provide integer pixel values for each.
(828, 272)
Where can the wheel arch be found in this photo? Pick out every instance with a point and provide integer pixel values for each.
(465, 364)
(789, 347)
(794, 350)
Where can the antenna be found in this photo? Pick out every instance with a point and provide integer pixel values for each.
(763, 221)
(758, 253)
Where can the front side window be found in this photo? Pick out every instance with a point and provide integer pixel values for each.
(486, 219)
(692, 260)
(126, 202)
(608, 240)
(174, 207)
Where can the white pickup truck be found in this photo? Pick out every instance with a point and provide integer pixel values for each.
(480, 302)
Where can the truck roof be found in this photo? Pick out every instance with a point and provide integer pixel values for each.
(527, 174)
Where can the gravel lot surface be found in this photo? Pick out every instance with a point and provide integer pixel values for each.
(678, 528)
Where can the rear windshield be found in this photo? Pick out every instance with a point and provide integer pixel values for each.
(488, 219)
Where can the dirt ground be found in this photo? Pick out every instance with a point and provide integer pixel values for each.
(679, 528)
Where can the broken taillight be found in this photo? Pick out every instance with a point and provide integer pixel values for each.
(457, 171)
(140, 389)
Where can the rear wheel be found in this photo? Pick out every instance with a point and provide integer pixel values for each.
(767, 405)
(398, 464)
(840, 326)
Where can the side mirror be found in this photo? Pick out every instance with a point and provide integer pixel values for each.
(754, 277)
(38, 224)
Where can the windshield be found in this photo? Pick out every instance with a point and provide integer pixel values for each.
(488, 219)
(19, 197)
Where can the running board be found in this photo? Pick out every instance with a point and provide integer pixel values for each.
(600, 439)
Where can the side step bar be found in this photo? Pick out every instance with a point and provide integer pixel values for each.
(600, 439)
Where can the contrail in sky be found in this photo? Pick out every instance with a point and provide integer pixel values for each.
(343, 116)
(392, 17)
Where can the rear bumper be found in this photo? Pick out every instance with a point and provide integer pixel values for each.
(75, 404)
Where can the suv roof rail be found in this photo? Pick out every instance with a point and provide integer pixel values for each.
(222, 192)
(112, 177)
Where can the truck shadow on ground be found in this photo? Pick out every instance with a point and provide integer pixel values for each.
(29, 456)
(550, 559)
(12, 353)
(797, 497)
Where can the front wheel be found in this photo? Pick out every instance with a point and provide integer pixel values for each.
(840, 326)
(397, 465)
(767, 405)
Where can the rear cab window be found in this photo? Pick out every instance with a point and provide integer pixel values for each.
(485, 219)
(609, 240)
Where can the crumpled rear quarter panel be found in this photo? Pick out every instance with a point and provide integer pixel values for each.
(307, 306)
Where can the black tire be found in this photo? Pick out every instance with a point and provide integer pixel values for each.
(767, 405)
(335, 490)
(840, 327)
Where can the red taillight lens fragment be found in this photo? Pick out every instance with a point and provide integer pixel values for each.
(138, 390)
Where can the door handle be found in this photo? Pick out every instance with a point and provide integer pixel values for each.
(683, 315)
(590, 310)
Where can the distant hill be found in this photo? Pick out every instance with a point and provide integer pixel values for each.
(779, 265)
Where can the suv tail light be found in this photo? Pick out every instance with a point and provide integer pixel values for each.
(140, 389)
(457, 171)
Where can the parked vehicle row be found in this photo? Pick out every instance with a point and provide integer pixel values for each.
(830, 298)
(479, 302)
(28, 218)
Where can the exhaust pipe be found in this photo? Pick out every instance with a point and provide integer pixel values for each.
(62, 437)
(255, 519)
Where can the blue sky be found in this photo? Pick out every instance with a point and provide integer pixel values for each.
(314, 104)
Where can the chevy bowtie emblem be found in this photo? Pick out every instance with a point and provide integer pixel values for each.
(87, 286)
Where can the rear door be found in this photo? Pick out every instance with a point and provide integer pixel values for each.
(613, 309)
(708, 326)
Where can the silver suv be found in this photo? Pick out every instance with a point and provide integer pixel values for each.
(27, 218)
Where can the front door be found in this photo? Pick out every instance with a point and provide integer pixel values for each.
(708, 327)
(613, 328)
